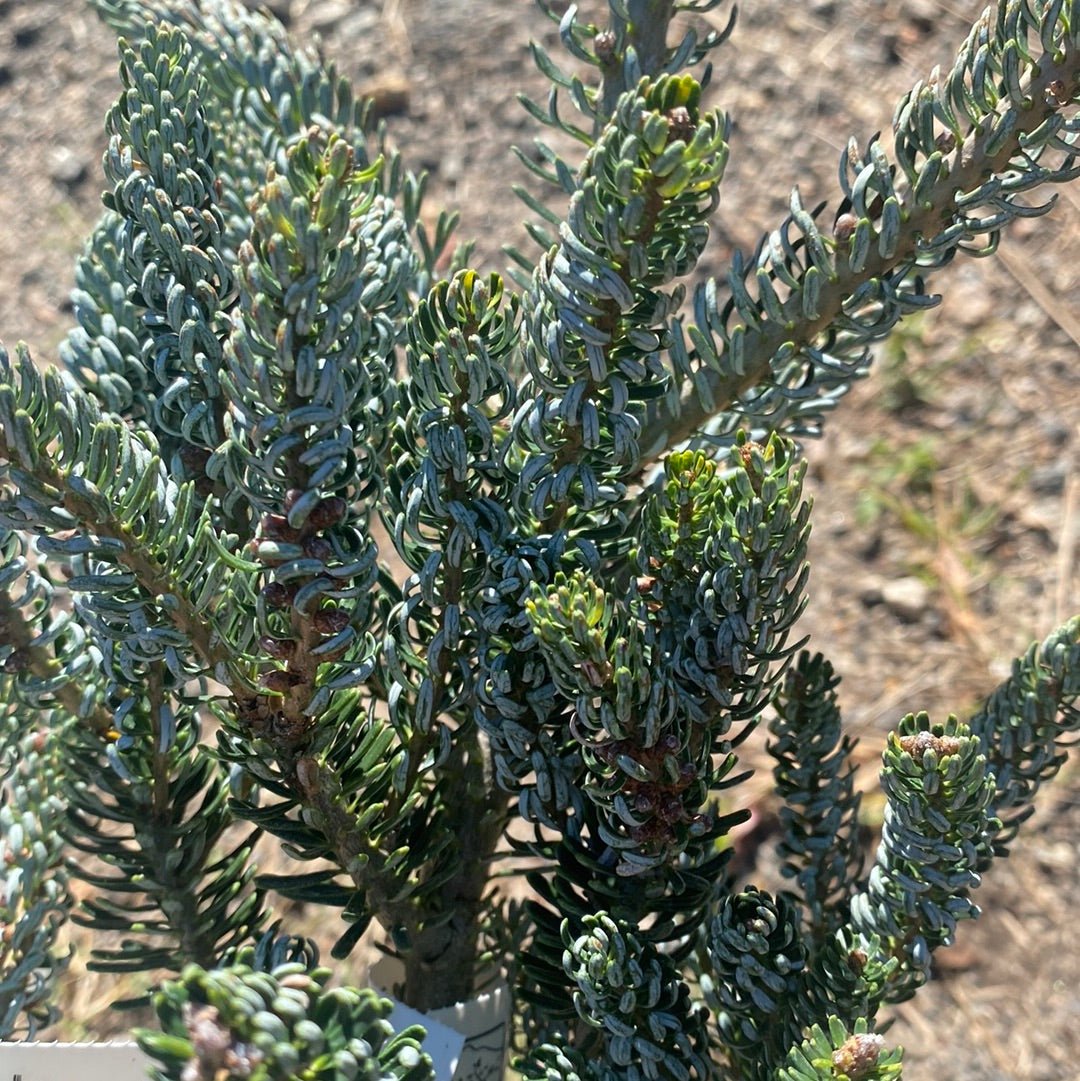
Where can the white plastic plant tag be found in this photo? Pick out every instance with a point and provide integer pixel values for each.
(72, 1062)
(484, 1022)
(442, 1043)
(466, 1042)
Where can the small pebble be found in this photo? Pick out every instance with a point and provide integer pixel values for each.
(389, 95)
(327, 15)
(907, 598)
(280, 9)
(1049, 479)
(66, 167)
(24, 36)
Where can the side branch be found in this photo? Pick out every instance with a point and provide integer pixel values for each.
(78, 473)
(915, 225)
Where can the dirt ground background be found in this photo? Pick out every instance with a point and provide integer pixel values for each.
(948, 500)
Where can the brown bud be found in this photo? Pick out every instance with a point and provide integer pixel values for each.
(845, 227)
(681, 124)
(318, 548)
(279, 648)
(645, 583)
(193, 459)
(18, 660)
(276, 527)
(307, 775)
(292, 496)
(857, 960)
(330, 620)
(746, 454)
(858, 1054)
(1057, 92)
(327, 512)
(604, 46)
(210, 1036)
(277, 595)
(278, 681)
(945, 142)
(921, 742)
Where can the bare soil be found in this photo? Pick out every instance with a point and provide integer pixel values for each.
(951, 470)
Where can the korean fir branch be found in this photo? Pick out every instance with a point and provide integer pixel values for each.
(632, 46)
(956, 797)
(232, 54)
(259, 94)
(155, 578)
(844, 975)
(722, 567)
(777, 341)
(752, 979)
(445, 508)
(446, 493)
(638, 1020)
(944, 785)
(160, 166)
(152, 810)
(42, 651)
(657, 677)
(36, 901)
(767, 981)
(819, 847)
(589, 345)
(591, 349)
(163, 603)
(265, 91)
(242, 1021)
(1025, 728)
(307, 374)
(938, 818)
(595, 310)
